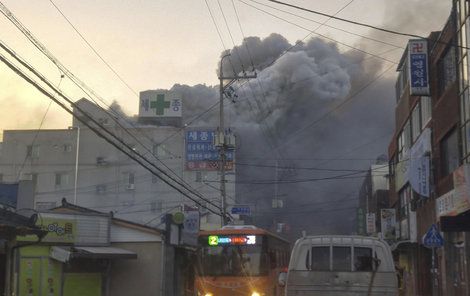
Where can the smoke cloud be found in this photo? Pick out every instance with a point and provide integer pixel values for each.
(281, 120)
(274, 116)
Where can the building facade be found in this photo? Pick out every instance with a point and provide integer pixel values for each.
(85, 169)
(428, 165)
(373, 197)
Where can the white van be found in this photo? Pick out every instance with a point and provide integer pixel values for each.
(340, 266)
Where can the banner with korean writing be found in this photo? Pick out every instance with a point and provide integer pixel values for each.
(418, 67)
(370, 223)
(202, 154)
(419, 170)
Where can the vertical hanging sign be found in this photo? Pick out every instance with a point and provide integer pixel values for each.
(418, 67)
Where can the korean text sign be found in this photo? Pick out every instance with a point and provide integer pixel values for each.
(418, 67)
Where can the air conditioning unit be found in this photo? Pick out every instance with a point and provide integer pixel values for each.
(130, 186)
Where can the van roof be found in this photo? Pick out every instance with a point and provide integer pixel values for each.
(341, 240)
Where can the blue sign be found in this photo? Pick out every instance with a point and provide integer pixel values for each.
(418, 67)
(200, 148)
(241, 210)
(433, 238)
(9, 194)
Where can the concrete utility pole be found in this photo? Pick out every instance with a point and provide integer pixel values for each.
(221, 142)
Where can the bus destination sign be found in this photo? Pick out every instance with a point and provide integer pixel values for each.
(216, 240)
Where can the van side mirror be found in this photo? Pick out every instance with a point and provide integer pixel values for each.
(282, 278)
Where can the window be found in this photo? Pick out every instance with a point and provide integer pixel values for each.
(416, 122)
(341, 258)
(100, 160)
(130, 181)
(320, 258)
(426, 111)
(34, 179)
(449, 153)
(198, 176)
(402, 81)
(32, 151)
(363, 259)
(67, 148)
(405, 200)
(404, 141)
(446, 70)
(100, 189)
(156, 206)
(131, 178)
(61, 179)
(159, 150)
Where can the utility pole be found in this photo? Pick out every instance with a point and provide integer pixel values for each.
(221, 137)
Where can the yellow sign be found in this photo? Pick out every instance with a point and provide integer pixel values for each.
(58, 230)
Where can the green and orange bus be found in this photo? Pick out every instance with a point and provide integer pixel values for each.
(240, 260)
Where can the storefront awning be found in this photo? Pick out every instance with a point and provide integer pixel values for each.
(103, 253)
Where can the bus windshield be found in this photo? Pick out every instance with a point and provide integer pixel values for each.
(233, 261)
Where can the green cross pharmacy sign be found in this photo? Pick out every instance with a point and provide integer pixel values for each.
(159, 104)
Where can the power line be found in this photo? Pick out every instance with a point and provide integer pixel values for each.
(362, 24)
(93, 49)
(230, 34)
(329, 26)
(322, 35)
(342, 176)
(215, 25)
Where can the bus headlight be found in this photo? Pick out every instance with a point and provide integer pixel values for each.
(208, 294)
(255, 294)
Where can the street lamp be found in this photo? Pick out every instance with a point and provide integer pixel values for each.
(76, 162)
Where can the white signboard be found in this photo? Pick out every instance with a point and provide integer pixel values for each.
(60, 254)
(160, 104)
(370, 223)
(190, 228)
(419, 169)
(388, 223)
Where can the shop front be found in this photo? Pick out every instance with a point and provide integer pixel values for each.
(453, 213)
(73, 259)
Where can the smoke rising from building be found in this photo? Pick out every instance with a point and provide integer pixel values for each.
(272, 116)
(280, 120)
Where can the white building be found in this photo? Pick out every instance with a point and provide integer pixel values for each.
(107, 179)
